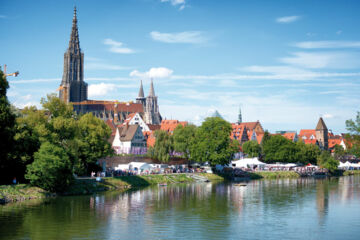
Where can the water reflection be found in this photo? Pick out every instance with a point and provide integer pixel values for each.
(274, 209)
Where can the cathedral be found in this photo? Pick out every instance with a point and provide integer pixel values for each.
(74, 89)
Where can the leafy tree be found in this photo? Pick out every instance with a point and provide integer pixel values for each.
(251, 148)
(212, 142)
(92, 142)
(184, 138)
(163, 146)
(7, 123)
(325, 160)
(279, 149)
(51, 169)
(339, 151)
(307, 153)
(353, 138)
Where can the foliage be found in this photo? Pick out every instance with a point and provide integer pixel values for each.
(184, 137)
(339, 151)
(92, 141)
(307, 153)
(353, 138)
(7, 122)
(51, 169)
(279, 149)
(163, 146)
(19, 192)
(212, 142)
(325, 160)
(252, 148)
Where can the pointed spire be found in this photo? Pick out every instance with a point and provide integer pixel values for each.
(239, 116)
(141, 90)
(152, 92)
(321, 125)
(74, 43)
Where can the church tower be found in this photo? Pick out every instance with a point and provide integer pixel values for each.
(73, 88)
(321, 133)
(239, 117)
(141, 99)
(151, 109)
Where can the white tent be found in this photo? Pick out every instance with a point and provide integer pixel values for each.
(122, 167)
(140, 166)
(247, 162)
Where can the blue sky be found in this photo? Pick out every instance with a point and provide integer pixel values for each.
(284, 62)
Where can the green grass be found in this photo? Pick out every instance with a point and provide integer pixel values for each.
(214, 177)
(273, 175)
(20, 192)
(351, 172)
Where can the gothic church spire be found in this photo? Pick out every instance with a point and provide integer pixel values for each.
(74, 43)
(152, 91)
(141, 90)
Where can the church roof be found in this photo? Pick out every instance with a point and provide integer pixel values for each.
(321, 125)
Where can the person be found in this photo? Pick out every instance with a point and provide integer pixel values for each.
(14, 180)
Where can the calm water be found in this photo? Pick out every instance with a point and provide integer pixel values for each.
(274, 209)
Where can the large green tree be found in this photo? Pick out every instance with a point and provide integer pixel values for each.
(307, 153)
(212, 142)
(251, 148)
(92, 141)
(52, 168)
(163, 146)
(184, 137)
(279, 149)
(7, 123)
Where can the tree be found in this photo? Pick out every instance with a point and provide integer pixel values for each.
(279, 149)
(184, 137)
(325, 160)
(307, 153)
(7, 123)
(92, 141)
(252, 148)
(51, 169)
(163, 146)
(353, 138)
(339, 151)
(212, 142)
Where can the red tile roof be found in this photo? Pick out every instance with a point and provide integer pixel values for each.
(290, 135)
(170, 125)
(307, 133)
(111, 124)
(310, 141)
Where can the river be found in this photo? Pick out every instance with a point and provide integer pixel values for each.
(303, 208)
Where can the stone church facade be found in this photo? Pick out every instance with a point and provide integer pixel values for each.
(74, 89)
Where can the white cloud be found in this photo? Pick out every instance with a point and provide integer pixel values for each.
(287, 19)
(328, 44)
(327, 115)
(102, 89)
(160, 72)
(117, 47)
(181, 37)
(336, 60)
(180, 3)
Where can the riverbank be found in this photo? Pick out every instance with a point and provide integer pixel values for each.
(21, 192)
(351, 172)
(273, 175)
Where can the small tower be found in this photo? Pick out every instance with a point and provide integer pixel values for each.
(321, 133)
(141, 99)
(72, 87)
(239, 117)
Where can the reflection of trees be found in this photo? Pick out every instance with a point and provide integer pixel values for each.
(322, 199)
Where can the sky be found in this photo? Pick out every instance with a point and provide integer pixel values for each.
(284, 63)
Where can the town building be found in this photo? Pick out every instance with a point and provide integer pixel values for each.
(247, 131)
(74, 89)
(129, 139)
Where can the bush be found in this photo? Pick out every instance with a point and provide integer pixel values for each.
(51, 169)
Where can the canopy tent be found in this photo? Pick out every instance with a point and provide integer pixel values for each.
(247, 162)
(122, 167)
(140, 166)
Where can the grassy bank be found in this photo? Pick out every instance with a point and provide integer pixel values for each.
(214, 177)
(351, 172)
(20, 192)
(274, 175)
